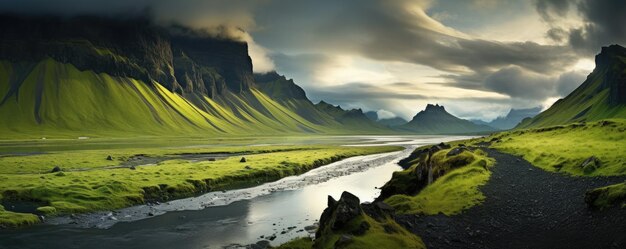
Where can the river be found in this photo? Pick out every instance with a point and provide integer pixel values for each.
(229, 219)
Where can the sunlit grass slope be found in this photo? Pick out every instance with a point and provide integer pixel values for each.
(451, 193)
(566, 148)
(89, 183)
(51, 99)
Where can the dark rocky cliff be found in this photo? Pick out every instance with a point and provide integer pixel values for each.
(178, 58)
(612, 61)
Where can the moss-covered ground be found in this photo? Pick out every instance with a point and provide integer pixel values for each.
(88, 181)
(383, 233)
(565, 148)
(451, 193)
(609, 196)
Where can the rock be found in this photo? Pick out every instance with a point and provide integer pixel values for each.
(339, 213)
(363, 227)
(243, 160)
(311, 228)
(590, 164)
(343, 241)
(132, 168)
(110, 158)
(348, 207)
(456, 151)
(248, 167)
(55, 169)
(150, 214)
(262, 244)
(271, 238)
(389, 229)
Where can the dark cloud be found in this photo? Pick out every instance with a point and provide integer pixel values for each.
(395, 31)
(603, 23)
(516, 82)
(569, 81)
(551, 9)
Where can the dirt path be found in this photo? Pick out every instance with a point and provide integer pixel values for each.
(527, 207)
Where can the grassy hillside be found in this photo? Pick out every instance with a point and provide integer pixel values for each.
(454, 186)
(566, 148)
(601, 96)
(51, 99)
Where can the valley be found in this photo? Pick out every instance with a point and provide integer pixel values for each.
(382, 124)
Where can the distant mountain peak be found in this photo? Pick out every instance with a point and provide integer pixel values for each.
(434, 119)
(435, 107)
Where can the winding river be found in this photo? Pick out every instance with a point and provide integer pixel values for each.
(277, 211)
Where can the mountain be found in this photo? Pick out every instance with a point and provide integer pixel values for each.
(602, 95)
(387, 122)
(436, 120)
(372, 115)
(392, 122)
(94, 76)
(513, 118)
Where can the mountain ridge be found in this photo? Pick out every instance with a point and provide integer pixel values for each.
(174, 81)
(434, 119)
(601, 96)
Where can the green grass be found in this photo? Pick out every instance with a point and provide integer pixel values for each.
(613, 195)
(77, 103)
(589, 102)
(87, 185)
(300, 243)
(11, 219)
(564, 148)
(451, 193)
(374, 237)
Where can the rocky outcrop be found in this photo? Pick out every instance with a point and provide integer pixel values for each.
(338, 213)
(612, 60)
(342, 218)
(181, 59)
(279, 87)
(132, 47)
(422, 169)
(216, 63)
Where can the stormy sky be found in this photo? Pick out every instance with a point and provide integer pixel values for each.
(479, 58)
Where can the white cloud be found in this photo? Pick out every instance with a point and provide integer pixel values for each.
(384, 114)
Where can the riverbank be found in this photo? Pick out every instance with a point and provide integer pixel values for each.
(68, 182)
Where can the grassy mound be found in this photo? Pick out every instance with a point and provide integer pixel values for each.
(12, 219)
(454, 187)
(607, 196)
(301, 243)
(86, 188)
(582, 149)
(383, 233)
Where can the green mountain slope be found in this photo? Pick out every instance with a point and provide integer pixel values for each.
(92, 76)
(601, 96)
(436, 120)
(56, 99)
